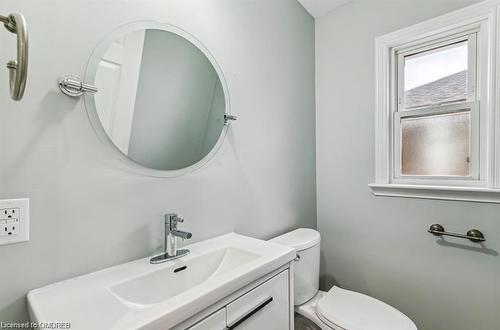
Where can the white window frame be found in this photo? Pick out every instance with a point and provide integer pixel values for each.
(479, 25)
(471, 103)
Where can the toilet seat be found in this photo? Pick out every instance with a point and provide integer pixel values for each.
(337, 309)
(344, 309)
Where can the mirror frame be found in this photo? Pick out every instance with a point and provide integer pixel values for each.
(93, 116)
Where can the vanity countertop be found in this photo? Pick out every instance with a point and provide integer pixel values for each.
(139, 294)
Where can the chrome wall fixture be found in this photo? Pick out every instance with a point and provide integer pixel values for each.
(72, 85)
(18, 69)
(473, 235)
(228, 118)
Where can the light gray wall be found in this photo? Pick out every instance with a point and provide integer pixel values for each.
(174, 101)
(378, 245)
(87, 214)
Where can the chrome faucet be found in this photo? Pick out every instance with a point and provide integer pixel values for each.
(171, 234)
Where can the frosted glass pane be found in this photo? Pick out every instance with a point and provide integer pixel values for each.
(436, 145)
(436, 76)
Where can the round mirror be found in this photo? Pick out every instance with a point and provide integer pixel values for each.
(161, 100)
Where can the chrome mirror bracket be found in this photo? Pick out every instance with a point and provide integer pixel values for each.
(228, 118)
(73, 86)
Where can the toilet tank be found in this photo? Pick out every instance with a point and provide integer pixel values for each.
(306, 243)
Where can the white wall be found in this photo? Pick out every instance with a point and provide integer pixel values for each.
(378, 245)
(87, 214)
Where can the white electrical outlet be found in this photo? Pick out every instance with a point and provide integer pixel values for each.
(14, 221)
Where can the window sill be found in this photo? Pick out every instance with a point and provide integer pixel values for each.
(471, 194)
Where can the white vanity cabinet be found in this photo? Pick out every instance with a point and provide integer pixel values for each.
(264, 304)
(265, 307)
(216, 321)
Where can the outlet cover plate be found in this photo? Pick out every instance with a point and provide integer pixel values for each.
(14, 221)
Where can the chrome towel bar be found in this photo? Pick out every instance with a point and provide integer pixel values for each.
(18, 69)
(473, 235)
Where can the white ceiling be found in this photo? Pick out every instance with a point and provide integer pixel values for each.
(319, 8)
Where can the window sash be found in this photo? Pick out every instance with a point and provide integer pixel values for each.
(470, 37)
(474, 147)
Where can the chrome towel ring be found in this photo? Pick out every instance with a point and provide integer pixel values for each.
(18, 69)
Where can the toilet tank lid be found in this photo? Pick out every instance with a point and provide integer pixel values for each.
(300, 239)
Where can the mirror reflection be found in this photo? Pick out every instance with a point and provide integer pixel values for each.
(160, 99)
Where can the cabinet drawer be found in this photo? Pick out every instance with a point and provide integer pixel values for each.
(216, 321)
(265, 307)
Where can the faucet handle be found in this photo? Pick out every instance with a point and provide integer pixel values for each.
(172, 219)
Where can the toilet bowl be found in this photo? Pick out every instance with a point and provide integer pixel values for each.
(337, 309)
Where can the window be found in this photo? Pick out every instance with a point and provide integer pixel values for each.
(436, 120)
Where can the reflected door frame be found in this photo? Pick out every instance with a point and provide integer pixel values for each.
(117, 78)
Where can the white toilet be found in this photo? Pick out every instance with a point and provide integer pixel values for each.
(336, 309)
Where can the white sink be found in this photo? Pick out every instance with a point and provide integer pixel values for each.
(157, 296)
(152, 289)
